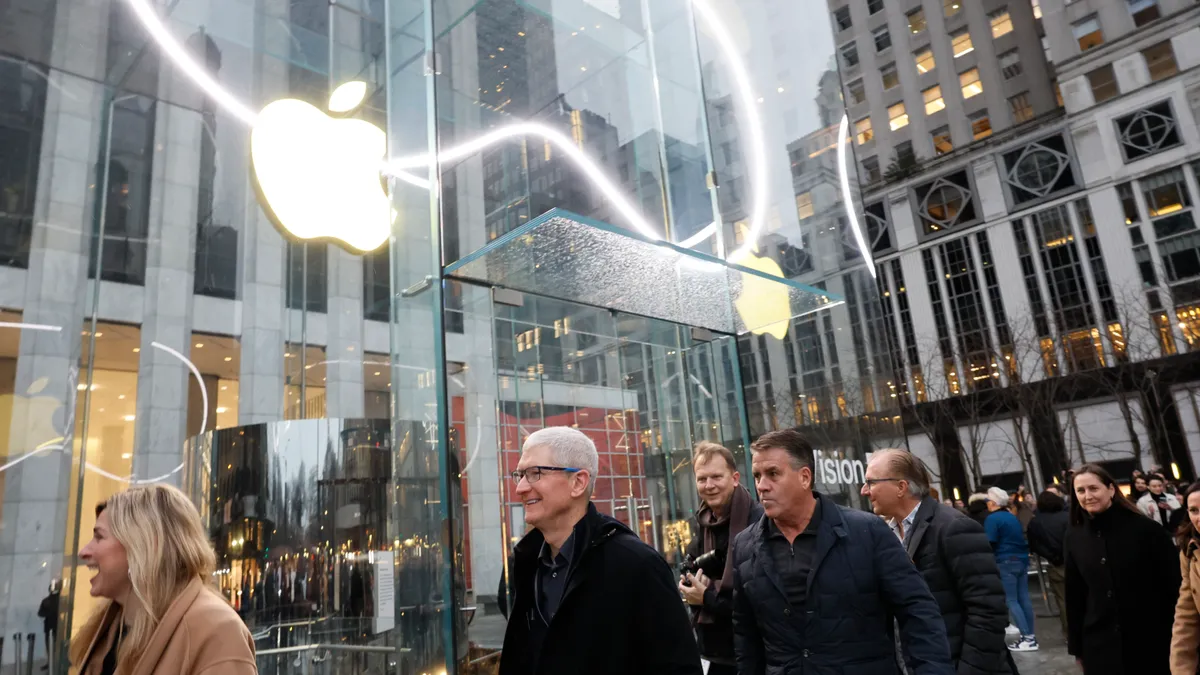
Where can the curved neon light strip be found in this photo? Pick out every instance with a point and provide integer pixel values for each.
(31, 326)
(848, 197)
(395, 168)
(52, 444)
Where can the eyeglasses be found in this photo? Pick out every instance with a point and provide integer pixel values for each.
(534, 473)
(872, 482)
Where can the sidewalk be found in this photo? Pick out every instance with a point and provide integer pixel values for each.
(1052, 658)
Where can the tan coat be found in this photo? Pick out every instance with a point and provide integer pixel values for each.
(1185, 636)
(200, 634)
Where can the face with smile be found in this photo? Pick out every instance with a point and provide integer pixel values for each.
(715, 481)
(781, 486)
(1139, 484)
(1156, 486)
(552, 496)
(106, 558)
(1094, 496)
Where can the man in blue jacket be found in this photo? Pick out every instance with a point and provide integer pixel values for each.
(818, 587)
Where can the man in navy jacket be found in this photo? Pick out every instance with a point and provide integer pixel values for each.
(819, 587)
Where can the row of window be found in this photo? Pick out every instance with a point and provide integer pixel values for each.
(1089, 34)
(960, 43)
(916, 18)
(1160, 62)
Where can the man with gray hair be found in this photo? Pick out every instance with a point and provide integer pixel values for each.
(588, 596)
(952, 553)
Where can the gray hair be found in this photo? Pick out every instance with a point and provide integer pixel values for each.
(908, 467)
(570, 448)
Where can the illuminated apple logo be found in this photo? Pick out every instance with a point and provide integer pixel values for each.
(33, 415)
(763, 304)
(318, 176)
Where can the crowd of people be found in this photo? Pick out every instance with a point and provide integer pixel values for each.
(790, 583)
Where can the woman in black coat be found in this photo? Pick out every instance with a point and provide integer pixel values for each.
(1122, 581)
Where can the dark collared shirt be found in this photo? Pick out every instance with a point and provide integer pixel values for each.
(794, 561)
(551, 577)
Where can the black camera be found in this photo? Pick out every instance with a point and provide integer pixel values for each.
(711, 563)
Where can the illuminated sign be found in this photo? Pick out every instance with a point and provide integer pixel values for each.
(318, 176)
(763, 304)
(844, 471)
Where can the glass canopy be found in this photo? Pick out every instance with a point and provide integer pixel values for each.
(567, 256)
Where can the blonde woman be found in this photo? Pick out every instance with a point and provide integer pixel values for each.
(153, 564)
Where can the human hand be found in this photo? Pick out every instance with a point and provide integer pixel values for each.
(692, 588)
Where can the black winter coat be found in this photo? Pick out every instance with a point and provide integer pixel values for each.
(1047, 534)
(954, 556)
(716, 638)
(861, 580)
(620, 612)
(1122, 581)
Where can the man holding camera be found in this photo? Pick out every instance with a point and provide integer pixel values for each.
(727, 510)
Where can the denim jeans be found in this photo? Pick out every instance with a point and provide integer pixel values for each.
(1016, 591)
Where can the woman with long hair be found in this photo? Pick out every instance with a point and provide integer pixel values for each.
(1185, 637)
(153, 565)
(1122, 581)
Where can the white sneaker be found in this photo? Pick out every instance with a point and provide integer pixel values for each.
(1027, 643)
(1012, 630)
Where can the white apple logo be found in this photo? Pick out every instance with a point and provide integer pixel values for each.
(764, 305)
(319, 176)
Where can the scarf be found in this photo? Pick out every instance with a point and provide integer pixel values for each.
(737, 515)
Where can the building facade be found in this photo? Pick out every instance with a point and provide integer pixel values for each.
(1034, 165)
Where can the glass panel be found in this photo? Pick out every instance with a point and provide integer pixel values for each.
(613, 268)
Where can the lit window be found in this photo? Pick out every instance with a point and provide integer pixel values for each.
(941, 141)
(1088, 33)
(857, 92)
(933, 100)
(1104, 83)
(924, 60)
(1160, 60)
(1022, 111)
(889, 76)
(961, 42)
(971, 86)
(1166, 192)
(1001, 23)
(981, 126)
(804, 205)
(1010, 64)
(916, 21)
(883, 39)
(1037, 8)
(862, 130)
(897, 116)
(841, 17)
(1143, 11)
(951, 7)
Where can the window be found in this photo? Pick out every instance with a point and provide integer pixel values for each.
(1069, 295)
(850, 54)
(933, 100)
(1147, 131)
(897, 116)
(874, 6)
(841, 18)
(1001, 23)
(961, 43)
(857, 92)
(804, 205)
(21, 118)
(951, 7)
(870, 169)
(941, 141)
(1143, 11)
(971, 86)
(1022, 111)
(1037, 8)
(1128, 203)
(1104, 83)
(904, 152)
(1038, 169)
(1166, 192)
(1010, 64)
(916, 21)
(889, 76)
(945, 202)
(924, 59)
(1160, 60)
(1088, 33)
(883, 39)
(307, 264)
(981, 126)
(862, 129)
